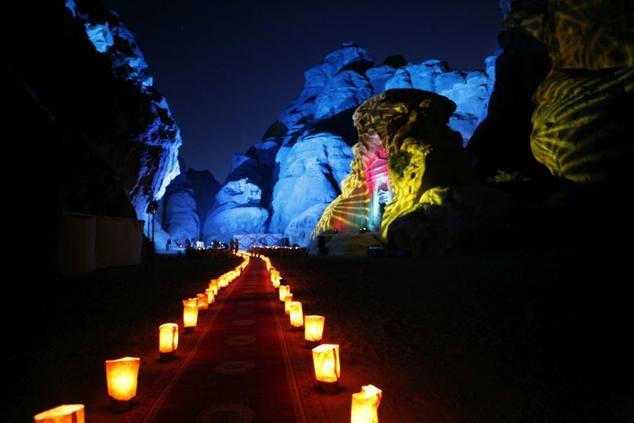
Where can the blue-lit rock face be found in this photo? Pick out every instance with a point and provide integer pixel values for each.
(236, 211)
(156, 144)
(181, 220)
(311, 176)
(470, 90)
(184, 207)
(311, 142)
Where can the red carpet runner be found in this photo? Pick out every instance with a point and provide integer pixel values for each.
(241, 371)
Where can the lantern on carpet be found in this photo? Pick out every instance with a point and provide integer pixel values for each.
(296, 314)
(314, 328)
(203, 302)
(211, 297)
(283, 290)
(275, 278)
(67, 413)
(365, 405)
(223, 281)
(287, 303)
(121, 379)
(327, 367)
(168, 339)
(213, 285)
(190, 314)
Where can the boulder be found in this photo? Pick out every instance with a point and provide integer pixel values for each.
(236, 211)
(343, 91)
(239, 193)
(180, 218)
(300, 230)
(502, 141)
(225, 222)
(310, 174)
(405, 148)
(153, 135)
(470, 90)
(594, 140)
(463, 220)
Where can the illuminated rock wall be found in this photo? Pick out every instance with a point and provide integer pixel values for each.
(582, 126)
(407, 129)
(309, 149)
(155, 140)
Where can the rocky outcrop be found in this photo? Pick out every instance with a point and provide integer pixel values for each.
(582, 126)
(154, 138)
(185, 206)
(236, 211)
(405, 148)
(96, 135)
(582, 129)
(311, 175)
(311, 142)
(501, 142)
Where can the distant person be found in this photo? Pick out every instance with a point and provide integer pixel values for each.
(188, 244)
(236, 244)
(168, 244)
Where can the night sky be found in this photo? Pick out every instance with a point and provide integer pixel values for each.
(229, 68)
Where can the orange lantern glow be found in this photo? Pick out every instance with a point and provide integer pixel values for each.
(283, 290)
(297, 315)
(121, 378)
(211, 297)
(168, 339)
(275, 278)
(202, 301)
(327, 367)
(365, 405)
(190, 314)
(223, 281)
(213, 285)
(67, 413)
(314, 328)
(287, 303)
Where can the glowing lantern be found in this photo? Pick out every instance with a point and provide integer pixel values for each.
(287, 303)
(213, 285)
(327, 367)
(283, 291)
(190, 314)
(223, 282)
(210, 295)
(67, 413)
(314, 328)
(121, 378)
(168, 339)
(202, 301)
(275, 278)
(297, 316)
(365, 405)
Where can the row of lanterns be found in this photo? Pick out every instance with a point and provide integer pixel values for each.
(326, 363)
(122, 374)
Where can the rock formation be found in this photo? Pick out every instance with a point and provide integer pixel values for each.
(405, 148)
(96, 134)
(306, 154)
(157, 139)
(183, 209)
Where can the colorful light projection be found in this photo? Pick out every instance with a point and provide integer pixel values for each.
(365, 192)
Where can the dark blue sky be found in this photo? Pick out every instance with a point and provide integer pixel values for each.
(229, 68)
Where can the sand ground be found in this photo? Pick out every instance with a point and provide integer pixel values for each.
(505, 338)
(508, 338)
